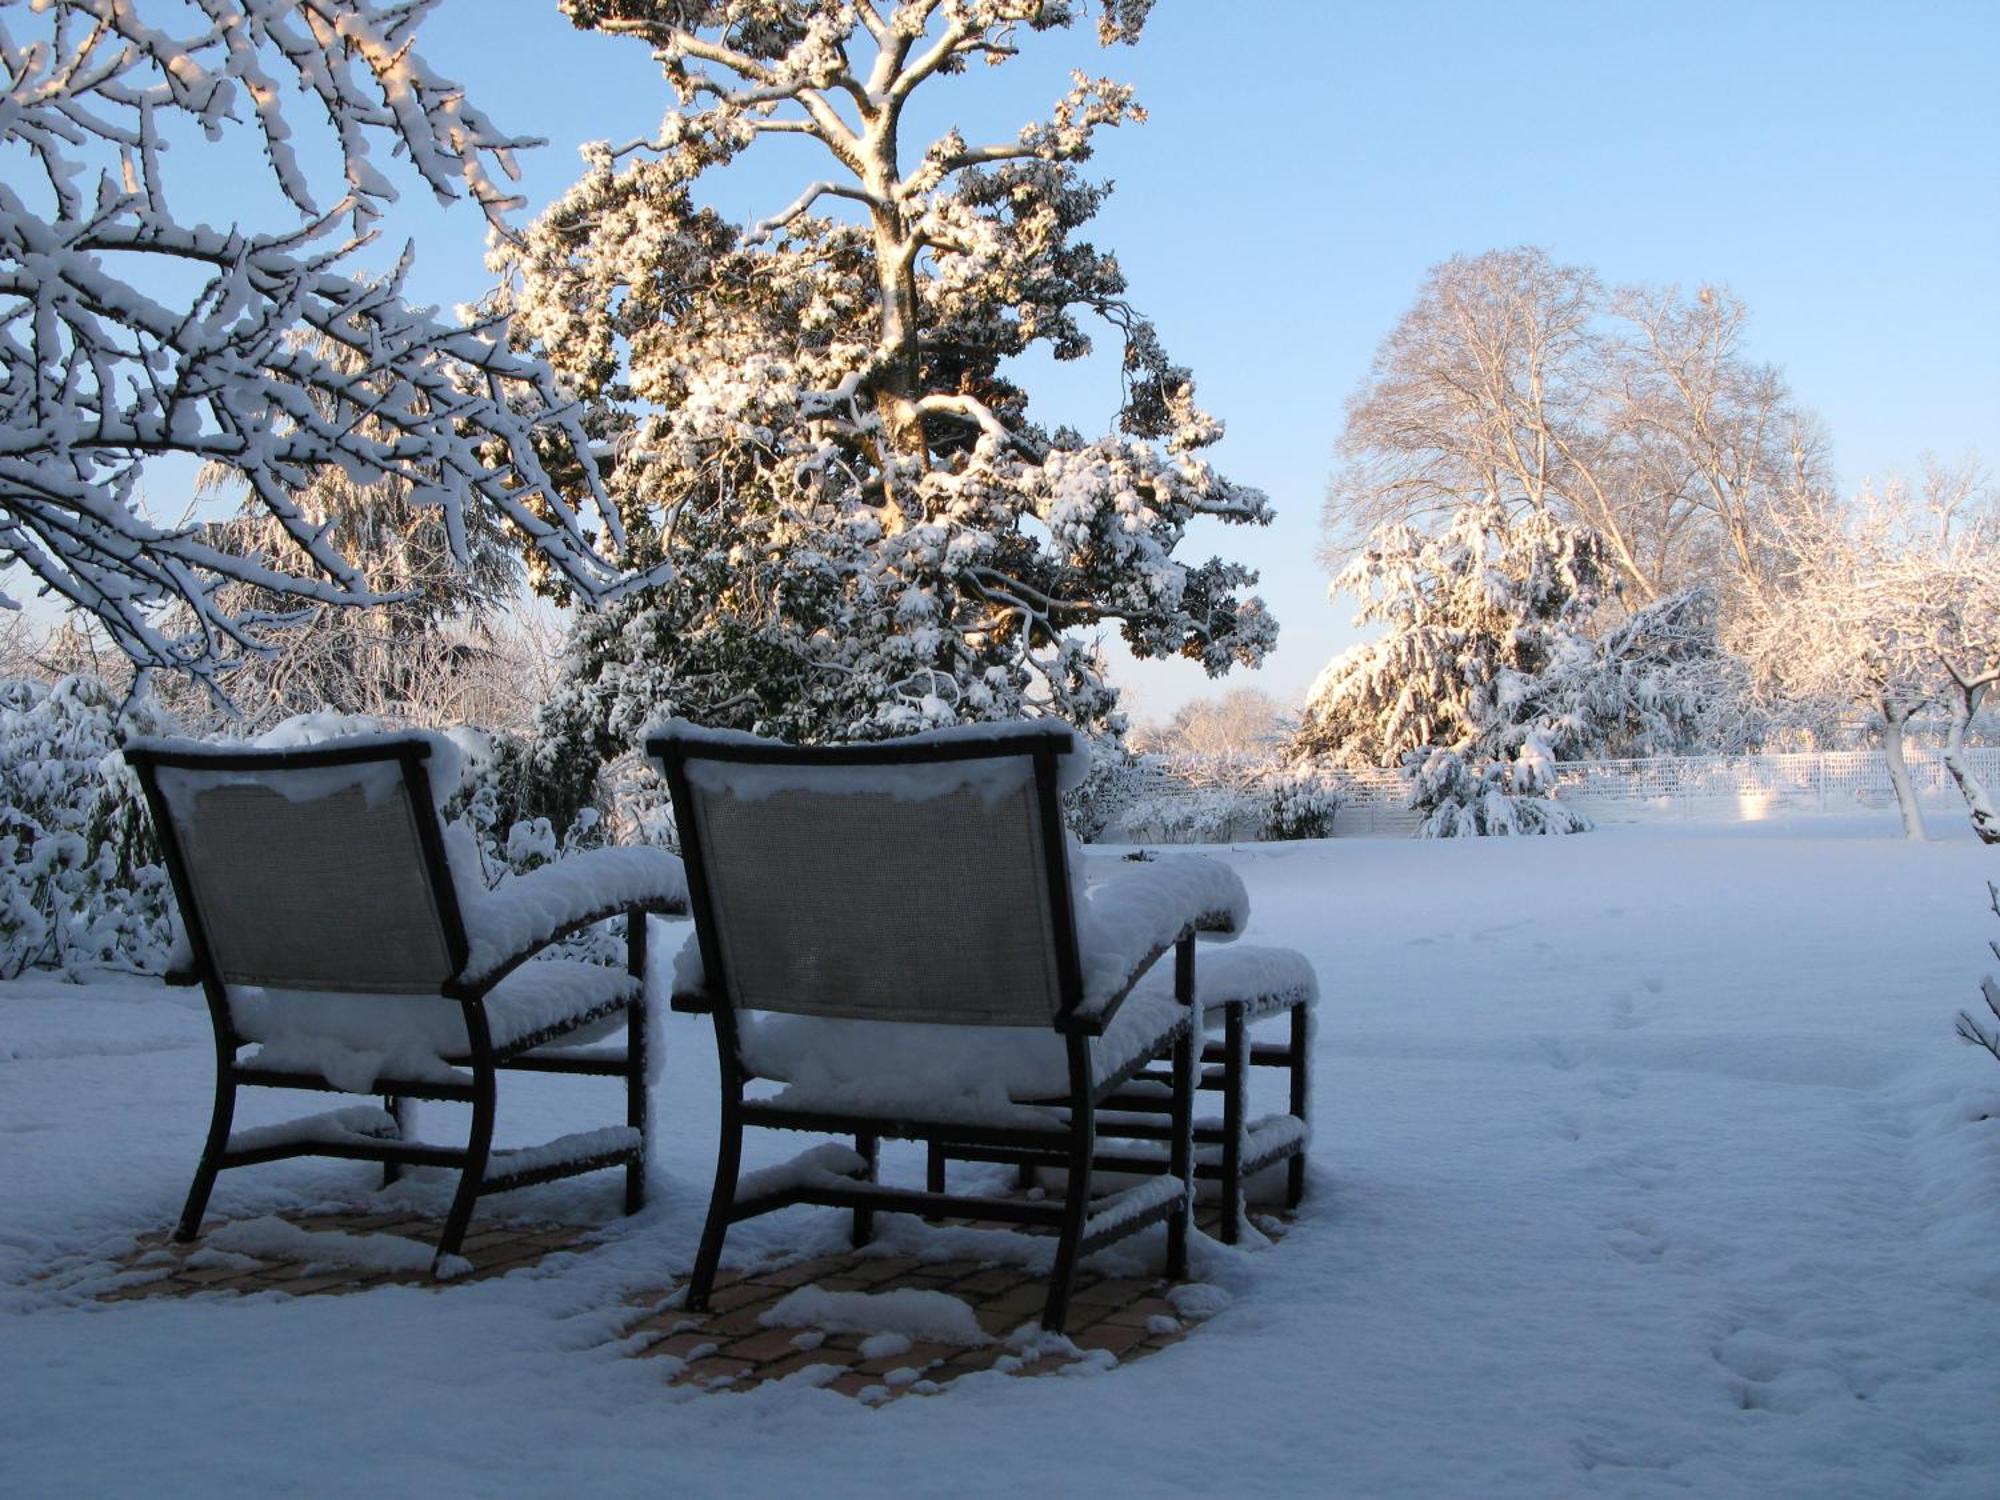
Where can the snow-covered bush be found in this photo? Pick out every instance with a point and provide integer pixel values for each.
(1224, 799)
(81, 884)
(1971, 1028)
(1299, 803)
(1116, 779)
(1460, 798)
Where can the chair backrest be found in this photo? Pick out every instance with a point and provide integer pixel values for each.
(310, 869)
(921, 880)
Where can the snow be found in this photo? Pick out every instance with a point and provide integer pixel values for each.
(1127, 917)
(352, 1040)
(273, 1239)
(966, 1073)
(601, 1144)
(1264, 981)
(525, 911)
(908, 1312)
(1645, 1165)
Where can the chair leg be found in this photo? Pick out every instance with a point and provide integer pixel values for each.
(472, 1177)
(870, 1149)
(1181, 1153)
(934, 1168)
(721, 1207)
(401, 1111)
(636, 1104)
(1301, 1060)
(223, 1112)
(1076, 1209)
(1234, 1066)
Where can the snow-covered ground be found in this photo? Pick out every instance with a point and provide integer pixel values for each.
(1646, 1164)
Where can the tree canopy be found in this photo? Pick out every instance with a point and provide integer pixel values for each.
(813, 420)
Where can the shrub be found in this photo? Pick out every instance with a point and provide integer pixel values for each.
(81, 884)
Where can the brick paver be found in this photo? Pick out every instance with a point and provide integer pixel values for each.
(730, 1347)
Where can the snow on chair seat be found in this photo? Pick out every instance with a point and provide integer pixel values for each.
(889, 934)
(896, 1067)
(338, 940)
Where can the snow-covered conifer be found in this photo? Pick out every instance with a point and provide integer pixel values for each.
(1488, 676)
(810, 415)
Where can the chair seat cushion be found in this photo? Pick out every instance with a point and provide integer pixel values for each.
(355, 1041)
(955, 1074)
(1263, 981)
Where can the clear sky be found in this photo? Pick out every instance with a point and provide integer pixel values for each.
(1836, 164)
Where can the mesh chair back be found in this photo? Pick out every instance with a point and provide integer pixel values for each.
(908, 890)
(309, 876)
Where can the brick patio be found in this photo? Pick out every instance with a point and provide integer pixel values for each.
(730, 1348)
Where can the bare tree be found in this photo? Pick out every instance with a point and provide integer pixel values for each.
(1713, 438)
(1633, 412)
(1244, 720)
(102, 375)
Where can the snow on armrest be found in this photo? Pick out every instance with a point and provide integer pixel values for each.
(690, 979)
(529, 910)
(1124, 922)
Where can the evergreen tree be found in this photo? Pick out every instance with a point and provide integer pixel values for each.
(1488, 675)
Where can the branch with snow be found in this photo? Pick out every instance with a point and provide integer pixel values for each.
(277, 366)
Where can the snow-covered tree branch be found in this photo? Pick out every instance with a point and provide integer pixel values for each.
(276, 365)
(813, 419)
(1978, 1030)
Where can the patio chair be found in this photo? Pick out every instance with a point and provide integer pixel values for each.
(339, 941)
(887, 939)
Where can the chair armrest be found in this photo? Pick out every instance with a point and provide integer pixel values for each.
(529, 912)
(1123, 924)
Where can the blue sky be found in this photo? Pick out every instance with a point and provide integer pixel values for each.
(1836, 164)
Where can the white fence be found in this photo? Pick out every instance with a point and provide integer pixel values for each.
(1726, 789)
(1748, 788)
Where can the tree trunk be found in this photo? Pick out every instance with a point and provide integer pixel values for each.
(1985, 817)
(1895, 712)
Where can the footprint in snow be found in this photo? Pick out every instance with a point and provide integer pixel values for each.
(1625, 1012)
(1561, 1125)
(1560, 1054)
(1643, 1241)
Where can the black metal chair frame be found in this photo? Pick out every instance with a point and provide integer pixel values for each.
(1225, 1070)
(1070, 1144)
(484, 1060)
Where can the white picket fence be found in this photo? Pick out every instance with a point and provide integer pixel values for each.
(1727, 789)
